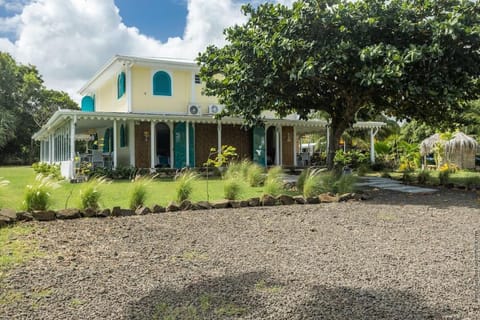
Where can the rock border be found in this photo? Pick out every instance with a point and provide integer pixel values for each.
(10, 216)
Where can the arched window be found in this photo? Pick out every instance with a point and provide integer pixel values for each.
(121, 85)
(88, 104)
(162, 84)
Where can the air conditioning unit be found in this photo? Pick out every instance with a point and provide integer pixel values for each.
(214, 108)
(194, 110)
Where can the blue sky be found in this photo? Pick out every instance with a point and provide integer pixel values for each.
(70, 40)
(159, 19)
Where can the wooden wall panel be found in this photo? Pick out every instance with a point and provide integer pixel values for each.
(287, 146)
(205, 138)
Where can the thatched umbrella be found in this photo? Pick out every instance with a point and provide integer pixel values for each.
(460, 143)
(463, 148)
(427, 145)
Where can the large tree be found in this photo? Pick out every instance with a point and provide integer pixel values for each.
(409, 59)
(25, 105)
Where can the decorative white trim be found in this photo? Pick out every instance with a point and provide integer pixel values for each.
(115, 144)
(153, 152)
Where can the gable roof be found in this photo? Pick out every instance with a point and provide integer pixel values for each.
(119, 63)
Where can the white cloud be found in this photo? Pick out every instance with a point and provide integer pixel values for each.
(68, 40)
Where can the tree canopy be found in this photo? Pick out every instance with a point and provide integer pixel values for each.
(25, 105)
(409, 59)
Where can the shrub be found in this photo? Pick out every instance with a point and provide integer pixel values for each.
(423, 177)
(273, 184)
(234, 170)
(38, 195)
(301, 179)
(312, 183)
(45, 169)
(232, 188)
(362, 170)
(184, 186)
(444, 177)
(138, 194)
(345, 184)
(90, 195)
(407, 177)
(255, 175)
(352, 158)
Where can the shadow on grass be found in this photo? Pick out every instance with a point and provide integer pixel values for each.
(255, 296)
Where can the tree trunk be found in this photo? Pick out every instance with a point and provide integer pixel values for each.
(337, 128)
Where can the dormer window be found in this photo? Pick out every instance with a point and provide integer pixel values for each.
(162, 84)
(197, 79)
(121, 85)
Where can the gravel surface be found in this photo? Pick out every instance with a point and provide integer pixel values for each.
(393, 257)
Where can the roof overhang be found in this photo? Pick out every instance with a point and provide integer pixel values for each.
(118, 63)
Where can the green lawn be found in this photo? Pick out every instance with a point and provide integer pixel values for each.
(114, 194)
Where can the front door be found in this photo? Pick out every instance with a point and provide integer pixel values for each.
(259, 145)
(180, 143)
(142, 145)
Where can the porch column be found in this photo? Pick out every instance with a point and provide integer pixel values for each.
(131, 142)
(52, 158)
(115, 144)
(295, 146)
(219, 137)
(372, 145)
(187, 144)
(152, 145)
(277, 146)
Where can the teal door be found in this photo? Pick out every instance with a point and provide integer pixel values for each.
(259, 145)
(180, 143)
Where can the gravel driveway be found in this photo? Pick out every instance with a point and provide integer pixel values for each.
(393, 257)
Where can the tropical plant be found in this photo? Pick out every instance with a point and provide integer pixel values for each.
(255, 175)
(321, 56)
(423, 177)
(301, 179)
(90, 194)
(233, 188)
(184, 186)
(37, 196)
(313, 185)
(273, 184)
(345, 184)
(139, 191)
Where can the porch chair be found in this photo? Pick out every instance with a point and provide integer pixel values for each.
(97, 159)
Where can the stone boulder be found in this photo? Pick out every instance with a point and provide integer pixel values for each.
(285, 199)
(142, 210)
(4, 221)
(244, 203)
(299, 200)
(185, 205)
(172, 207)
(89, 213)
(158, 209)
(234, 203)
(65, 214)
(254, 202)
(312, 200)
(24, 216)
(346, 197)
(104, 213)
(268, 200)
(328, 198)
(204, 205)
(116, 211)
(9, 215)
(47, 215)
(222, 204)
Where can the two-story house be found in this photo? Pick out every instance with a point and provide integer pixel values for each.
(148, 113)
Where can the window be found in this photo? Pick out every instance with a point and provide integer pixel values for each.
(197, 79)
(162, 84)
(88, 104)
(121, 85)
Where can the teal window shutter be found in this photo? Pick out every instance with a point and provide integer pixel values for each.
(162, 84)
(88, 104)
(121, 85)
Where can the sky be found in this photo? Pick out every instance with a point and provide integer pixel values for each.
(70, 40)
